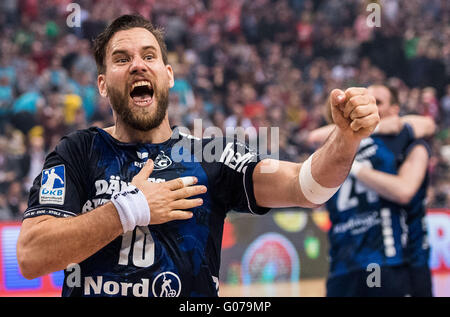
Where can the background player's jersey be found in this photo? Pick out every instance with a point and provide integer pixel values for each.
(178, 258)
(365, 227)
(418, 249)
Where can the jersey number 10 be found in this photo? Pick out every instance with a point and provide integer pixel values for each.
(143, 248)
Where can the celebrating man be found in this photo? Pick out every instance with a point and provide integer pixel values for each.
(137, 227)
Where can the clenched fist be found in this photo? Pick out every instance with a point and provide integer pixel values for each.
(354, 111)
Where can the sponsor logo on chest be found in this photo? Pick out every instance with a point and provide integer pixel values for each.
(162, 161)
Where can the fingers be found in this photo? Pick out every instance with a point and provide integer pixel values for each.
(188, 180)
(349, 94)
(145, 172)
(181, 182)
(357, 111)
(361, 111)
(369, 121)
(170, 216)
(355, 91)
(337, 97)
(184, 204)
(189, 191)
(355, 101)
(180, 215)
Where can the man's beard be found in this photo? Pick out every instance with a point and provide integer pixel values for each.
(142, 120)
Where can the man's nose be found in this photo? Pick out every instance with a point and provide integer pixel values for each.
(138, 65)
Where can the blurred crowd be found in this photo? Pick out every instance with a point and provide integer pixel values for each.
(249, 63)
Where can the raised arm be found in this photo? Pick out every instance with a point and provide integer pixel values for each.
(422, 126)
(281, 184)
(402, 187)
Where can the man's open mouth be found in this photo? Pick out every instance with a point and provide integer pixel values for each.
(142, 93)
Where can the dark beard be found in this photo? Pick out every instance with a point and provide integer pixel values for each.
(141, 122)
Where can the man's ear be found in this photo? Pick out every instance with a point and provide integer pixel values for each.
(394, 110)
(170, 74)
(101, 85)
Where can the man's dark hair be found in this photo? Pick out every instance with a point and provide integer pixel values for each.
(125, 22)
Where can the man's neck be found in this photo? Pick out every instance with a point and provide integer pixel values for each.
(126, 134)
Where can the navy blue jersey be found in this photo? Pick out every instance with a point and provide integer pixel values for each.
(365, 227)
(177, 258)
(418, 248)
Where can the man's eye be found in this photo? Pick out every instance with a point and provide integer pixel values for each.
(122, 60)
(148, 57)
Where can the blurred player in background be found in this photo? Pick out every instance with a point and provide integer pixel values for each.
(378, 214)
(408, 188)
(139, 220)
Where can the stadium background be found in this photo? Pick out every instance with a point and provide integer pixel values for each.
(257, 63)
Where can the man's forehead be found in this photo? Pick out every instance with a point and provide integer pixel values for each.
(135, 38)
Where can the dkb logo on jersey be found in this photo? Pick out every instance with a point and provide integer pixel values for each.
(53, 186)
(166, 284)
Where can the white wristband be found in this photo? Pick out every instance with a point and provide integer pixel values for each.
(312, 190)
(132, 207)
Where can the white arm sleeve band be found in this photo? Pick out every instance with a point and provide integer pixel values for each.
(312, 190)
(132, 207)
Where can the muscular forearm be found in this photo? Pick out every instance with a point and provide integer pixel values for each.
(47, 244)
(332, 162)
(329, 167)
